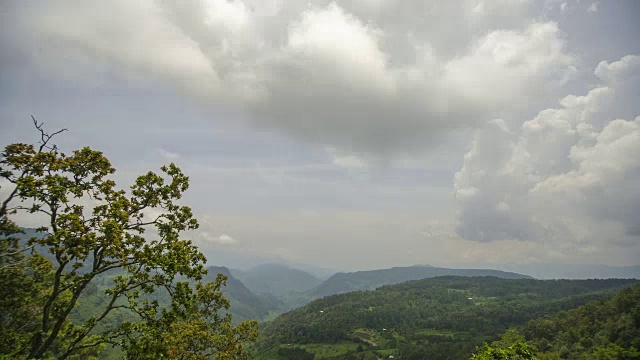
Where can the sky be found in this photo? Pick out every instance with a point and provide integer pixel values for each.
(354, 134)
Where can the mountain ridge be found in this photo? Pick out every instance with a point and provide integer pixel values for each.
(277, 280)
(244, 303)
(371, 279)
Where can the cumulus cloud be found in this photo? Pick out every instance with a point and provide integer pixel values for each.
(524, 62)
(369, 76)
(570, 175)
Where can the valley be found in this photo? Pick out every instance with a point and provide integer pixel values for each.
(411, 312)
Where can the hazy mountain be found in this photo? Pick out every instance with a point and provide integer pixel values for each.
(579, 271)
(277, 280)
(241, 261)
(372, 279)
(244, 303)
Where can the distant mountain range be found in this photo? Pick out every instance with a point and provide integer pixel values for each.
(372, 279)
(266, 290)
(276, 279)
(576, 271)
(244, 303)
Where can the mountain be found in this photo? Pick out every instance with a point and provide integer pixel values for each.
(245, 260)
(577, 271)
(436, 318)
(244, 303)
(278, 280)
(369, 280)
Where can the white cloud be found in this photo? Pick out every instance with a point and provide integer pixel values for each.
(571, 177)
(226, 239)
(222, 239)
(628, 66)
(332, 42)
(524, 63)
(593, 7)
(346, 160)
(168, 155)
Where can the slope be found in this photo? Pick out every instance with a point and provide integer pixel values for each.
(600, 330)
(277, 280)
(443, 317)
(369, 280)
(244, 303)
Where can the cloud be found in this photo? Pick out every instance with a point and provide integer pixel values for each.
(570, 176)
(524, 62)
(168, 155)
(226, 239)
(628, 66)
(222, 239)
(382, 78)
(346, 160)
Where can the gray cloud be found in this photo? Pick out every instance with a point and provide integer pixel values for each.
(371, 77)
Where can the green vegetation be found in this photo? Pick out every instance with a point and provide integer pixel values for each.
(116, 270)
(599, 330)
(511, 346)
(372, 279)
(437, 318)
(606, 329)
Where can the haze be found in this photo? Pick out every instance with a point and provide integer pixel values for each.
(353, 134)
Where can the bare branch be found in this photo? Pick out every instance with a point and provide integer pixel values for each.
(44, 136)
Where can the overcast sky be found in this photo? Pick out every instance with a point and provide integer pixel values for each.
(353, 134)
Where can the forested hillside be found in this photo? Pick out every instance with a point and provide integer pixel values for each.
(437, 318)
(369, 280)
(606, 329)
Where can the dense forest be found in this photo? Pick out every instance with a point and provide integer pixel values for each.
(437, 318)
(605, 329)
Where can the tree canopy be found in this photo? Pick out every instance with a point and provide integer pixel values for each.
(94, 237)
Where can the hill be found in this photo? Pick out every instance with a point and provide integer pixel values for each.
(606, 329)
(437, 318)
(369, 280)
(277, 280)
(244, 303)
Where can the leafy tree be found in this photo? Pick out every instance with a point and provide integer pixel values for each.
(518, 351)
(92, 230)
(511, 346)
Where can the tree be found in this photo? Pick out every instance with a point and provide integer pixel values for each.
(511, 346)
(520, 350)
(129, 241)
